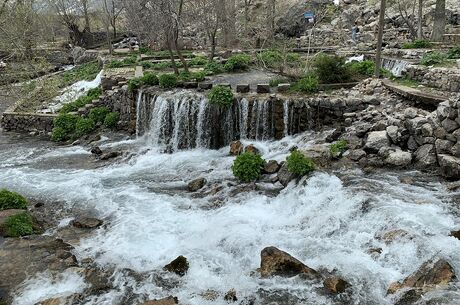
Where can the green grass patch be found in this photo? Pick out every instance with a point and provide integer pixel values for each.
(93, 94)
(433, 58)
(454, 53)
(84, 126)
(308, 84)
(19, 225)
(111, 120)
(11, 200)
(418, 44)
(98, 114)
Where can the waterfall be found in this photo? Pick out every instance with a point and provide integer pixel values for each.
(185, 120)
(395, 66)
(244, 115)
(286, 118)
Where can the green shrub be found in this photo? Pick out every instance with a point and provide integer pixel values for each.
(115, 64)
(214, 67)
(147, 64)
(66, 122)
(84, 126)
(111, 119)
(454, 53)
(274, 82)
(365, 67)
(338, 148)
(198, 61)
(221, 95)
(162, 65)
(168, 81)
(298, 164)
(98, 114)
(308, 84)
(149, 79)
(58, 134)
(11, 200)
(271, 58)
(418, 44)
(134, 84)
(19, 225)
(247, 167)
(239, 62)
(331, 69)
(432, 58)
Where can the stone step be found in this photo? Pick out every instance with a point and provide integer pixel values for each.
(414, 94)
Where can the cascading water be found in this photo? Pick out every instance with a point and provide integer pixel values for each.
(185, 120)
(326, 222)
(395, 66)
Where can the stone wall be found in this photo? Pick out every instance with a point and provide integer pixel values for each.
(27, 121)
(447, 79)
(120, 100)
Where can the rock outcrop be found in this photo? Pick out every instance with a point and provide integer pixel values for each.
(178, 266)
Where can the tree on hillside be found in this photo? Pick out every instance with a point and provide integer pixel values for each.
(84, 5)
(439, 24)
(66, 10)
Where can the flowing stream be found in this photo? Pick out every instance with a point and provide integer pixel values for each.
(330, 223)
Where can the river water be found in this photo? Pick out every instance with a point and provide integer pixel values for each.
(329, 221)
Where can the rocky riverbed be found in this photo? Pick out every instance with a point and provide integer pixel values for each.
(359, 232)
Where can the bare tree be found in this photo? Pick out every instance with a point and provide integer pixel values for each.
(112, 11)
(271, 14)
(207, 14)
(439, 20)
(420, 20)
(85, 10)
(66, 9)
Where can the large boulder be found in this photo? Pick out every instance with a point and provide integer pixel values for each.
(236, 148)
(425, 156)
(319, 153)
(285, 176)
(271, 167)
(376, 140)
(178, 266)
(84, 222)
(335, 285)
(450, 166)
(399, 158)
(428, 277)
(196, 184)
(276, 262)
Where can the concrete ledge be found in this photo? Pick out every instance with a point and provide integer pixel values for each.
(205, 86)
(27, 121)
(414, 94)
(263, 88)
(284, 87)
(337, 86)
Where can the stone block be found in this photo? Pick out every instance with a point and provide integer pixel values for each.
(205, 86)
(242, 88)
(284, 87)
(263, 88)
(190, 85)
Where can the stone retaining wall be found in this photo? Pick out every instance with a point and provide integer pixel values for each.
(447, 79)
(27, 121)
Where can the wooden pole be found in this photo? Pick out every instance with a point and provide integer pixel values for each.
(378, 55)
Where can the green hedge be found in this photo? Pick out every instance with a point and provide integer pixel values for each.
(111, 120)
(11, 200)
(84, 126)
(247, 167)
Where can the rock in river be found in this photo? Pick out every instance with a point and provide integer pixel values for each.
(277, 262)
(196, 184)
(179, 266)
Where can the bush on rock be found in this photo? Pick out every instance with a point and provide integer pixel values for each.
(19, 225)
(239, 62)
(98, 114)
(247, 167)
(221, 96)
(111, 120)
(298, 164)
(168, 81)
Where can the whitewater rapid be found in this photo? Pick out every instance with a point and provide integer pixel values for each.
(325, 221)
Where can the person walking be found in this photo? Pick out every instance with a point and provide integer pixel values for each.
(354, 32)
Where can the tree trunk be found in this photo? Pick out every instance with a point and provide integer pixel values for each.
(420, 20)
(378, 55)
(246, 17)
(271, 17)
(439, 20)
(85, 12)
(171, 56)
